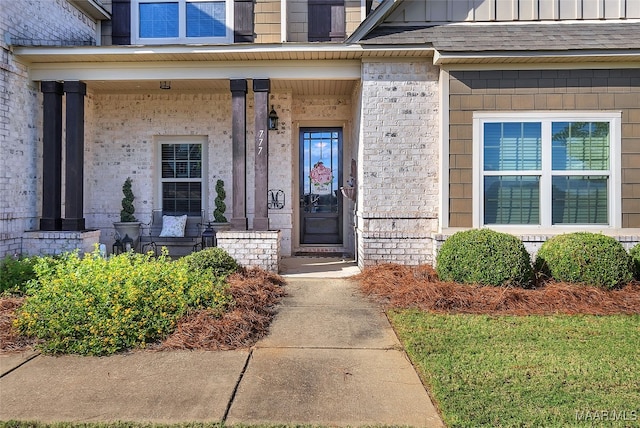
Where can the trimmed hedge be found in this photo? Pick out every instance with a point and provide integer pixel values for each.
(635, 257)
(484, 256)
(586, 258)
(216, 259)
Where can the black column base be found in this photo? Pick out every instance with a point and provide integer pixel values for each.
(261, 224)
(73, 224)
(50, 224)
(239, 223)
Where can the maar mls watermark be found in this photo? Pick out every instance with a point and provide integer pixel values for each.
(607, 415)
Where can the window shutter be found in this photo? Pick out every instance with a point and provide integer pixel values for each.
(121, 22)
(326, 20)
(243, 21)
(337, 33)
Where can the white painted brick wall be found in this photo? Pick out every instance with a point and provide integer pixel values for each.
(121, 131)
(20, 154)
(252, 249)
(20, 110)
(52, 243)
(45, 22)
(399, 156)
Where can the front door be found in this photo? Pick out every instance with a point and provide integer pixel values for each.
(320, 175)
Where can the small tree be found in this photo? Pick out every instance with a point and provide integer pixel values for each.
(126, 214)
(221, 207)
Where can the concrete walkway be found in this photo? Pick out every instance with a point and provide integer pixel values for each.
(331, 358)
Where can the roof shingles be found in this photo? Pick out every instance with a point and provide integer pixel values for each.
(512, 37)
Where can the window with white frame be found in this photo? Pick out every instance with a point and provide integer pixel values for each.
(181, 185)
(181, 21)
(547, 169)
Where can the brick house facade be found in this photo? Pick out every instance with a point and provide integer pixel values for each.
(407, 86)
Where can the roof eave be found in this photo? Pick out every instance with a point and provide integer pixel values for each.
(93, 8)
(444, 58)
(80, 54)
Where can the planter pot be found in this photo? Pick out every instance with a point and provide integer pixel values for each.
(349, 192)
(220, 226)
(131, 228)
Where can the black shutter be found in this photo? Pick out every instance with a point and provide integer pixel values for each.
(121, 22)
(326, 20)
(243, 21)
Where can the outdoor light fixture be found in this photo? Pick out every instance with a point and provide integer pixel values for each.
(165, 84)
(209, 237)
(273, 120)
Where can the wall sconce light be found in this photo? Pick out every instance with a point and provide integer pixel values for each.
(165, 84)
(273, 120)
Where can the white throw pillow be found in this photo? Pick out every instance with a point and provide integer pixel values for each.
(173, 226)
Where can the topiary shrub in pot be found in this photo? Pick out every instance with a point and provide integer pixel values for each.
(126, 213)
(484, 256)
(585, 258)
(221, 207)
(128, 224)
(220, 222)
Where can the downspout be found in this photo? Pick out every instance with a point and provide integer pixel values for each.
(283, 21)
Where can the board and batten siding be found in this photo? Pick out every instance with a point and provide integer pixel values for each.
(419, 12)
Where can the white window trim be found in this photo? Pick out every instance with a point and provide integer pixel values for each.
(545, 117)
(158, 180)
(182, 25)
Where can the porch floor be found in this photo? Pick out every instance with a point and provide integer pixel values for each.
(318, 267)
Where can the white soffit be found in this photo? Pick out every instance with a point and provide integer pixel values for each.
(248, 52)
(196, 70)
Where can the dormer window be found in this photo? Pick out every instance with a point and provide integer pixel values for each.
(181, 21)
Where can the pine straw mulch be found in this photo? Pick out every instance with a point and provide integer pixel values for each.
(10, 340)
(418, 287)
(255, 293)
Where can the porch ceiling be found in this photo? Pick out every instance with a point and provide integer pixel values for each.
(302, 69)
(296, 87)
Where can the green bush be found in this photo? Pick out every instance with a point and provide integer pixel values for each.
(216, 259)
(587, 258)
(635, 257)
(484, 257)
(15, 273)
(97, 306)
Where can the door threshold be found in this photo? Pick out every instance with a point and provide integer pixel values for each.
(322, 251)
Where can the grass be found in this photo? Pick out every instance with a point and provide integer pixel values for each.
(526, 371)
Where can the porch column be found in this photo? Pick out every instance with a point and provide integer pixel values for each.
(261, 107)
(239, 142)
(74, 177)
(51, 156)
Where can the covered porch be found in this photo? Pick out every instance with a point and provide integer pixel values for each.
(132, 103)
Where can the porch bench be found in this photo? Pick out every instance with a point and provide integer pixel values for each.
(178, 245)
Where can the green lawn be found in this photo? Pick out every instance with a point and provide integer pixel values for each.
(547, 371)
